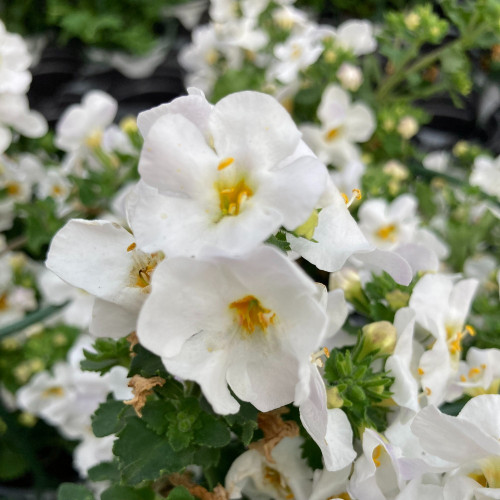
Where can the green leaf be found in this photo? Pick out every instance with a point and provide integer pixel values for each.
(207, 457)
(107, 418)
(154, 414)
(108, 353)
(145, 456)
(279, 240)
(146, 364)
(180, 493)
(105, 471)
(212, 432)
(70, 491)
(117, 492)
(12, 463)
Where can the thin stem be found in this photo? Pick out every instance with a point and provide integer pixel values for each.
(14, 245)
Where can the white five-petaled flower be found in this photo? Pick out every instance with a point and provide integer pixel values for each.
(486, 175)
(246, 322)
(101, 258)
(224, 176)
(342, 125)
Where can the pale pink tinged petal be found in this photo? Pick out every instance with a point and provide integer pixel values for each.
(176, 158)
(460, 301)
(101, 106)
(430, 300)
(334, 106)
(390, 262)
(194, 107)
(5, 138)
(92, 255)
(206, 367)
(337, 237)
(294, 190)
(254, 129)
(419, 257)
(112, 320)
(484, 412)
(452, 438)
(187, 297)
(359, 123)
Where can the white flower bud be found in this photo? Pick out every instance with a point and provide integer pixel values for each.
(407, 127)
(350, 77)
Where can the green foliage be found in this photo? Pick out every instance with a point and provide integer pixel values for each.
(249, 77)
(279, 240)
(70, 491)
(110, 417)
(180, 493)
(41, 222)
(105, 471)
(108, 353)
(146, 364)
(118, 492)
(360, 389)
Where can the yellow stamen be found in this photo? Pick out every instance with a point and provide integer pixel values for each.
(387, 232)
(420, 371)
(470, 330)
(276, 480)
(479, 478)
(56, 391)
(346, 199)
(131, 247)
(13, 189)
(225, 163)
(473, 372)
(332, 134)
(232, 198)
(463, 378)
(57, 190)
(356, 195)
(376, 455)
(326, 352)
(428, 391)
(250, 314)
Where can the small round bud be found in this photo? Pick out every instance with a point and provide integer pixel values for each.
(347, 280)
(412, 21)
(407, 127)
(129, 125)
(333, 399)
(396, 170)
(350, 77)
(27, 419)
(397, 299)
(380, 336)
(307, 229)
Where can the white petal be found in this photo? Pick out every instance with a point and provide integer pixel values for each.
(111, 320)
(359, 123)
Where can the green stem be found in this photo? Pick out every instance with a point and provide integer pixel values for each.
(30, 319)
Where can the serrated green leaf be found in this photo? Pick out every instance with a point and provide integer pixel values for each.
(107, 418)
(279, 240)
(118, 492)
(154, 414)
(180, 493)
(207, 457)
(145, 456)
(70, 491)
(146, 364)
(105, 471)
(212, 432)
(108, 353)
(247, 432)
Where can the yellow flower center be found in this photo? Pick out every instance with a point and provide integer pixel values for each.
(56, 391)
(275, 479)
(144, 265)
(57, 190)
(454, 338)
(233, 197)
(13, 189)
(250, 314)
(387, 232)
(343, 496)
(94, 139)
(332, 134)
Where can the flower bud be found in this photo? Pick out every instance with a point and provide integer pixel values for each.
(307, 229)
(350, 77)
(333, 399)
(407, 127)
(412, 21)
(129, 125)
(380, 336)
(397, 299)
(347, 280)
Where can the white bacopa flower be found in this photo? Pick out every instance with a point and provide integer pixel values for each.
(224, 176)
(14, 63)
(245, 322)
(286, 478)
(441, 308)
(469, 442)
(82, 125)
(15, 113)
(296, 54)
(396, 226)
(356, 36)
(92, 451)
(101, 258)
(330, 485)
(342, 125)
(486, 175)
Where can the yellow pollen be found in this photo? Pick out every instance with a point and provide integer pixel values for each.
(357, 193)
(4, 303)
(225, 163)
(144, 266)
(332, 134)
(344, 496)
(463, 378)
(94, 139)
(428, 391)
(346, 199)
(13, 189)
(232, 198)
(420, 371)
(276, 480)
(250, 314)
(131, 247)
(326, 352)
(296, 52)
(57, 190)
(479, 478)
(483, 366)
(56, 391)
(473, 372)
(387, 232)
(470, 330)
(376, 455)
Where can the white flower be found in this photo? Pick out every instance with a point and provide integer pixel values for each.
(441, 307)
(82, 125)
(287, 477)
(330, 485)
(14, 63)
(470, 442)
(438, 161)
(245, 322)
(342, 125)
(224, 176)
(15, 113)
(350, 76)
(296, 54)
(101, 258)
(486, 175)
(357, 36)
(92, 451)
